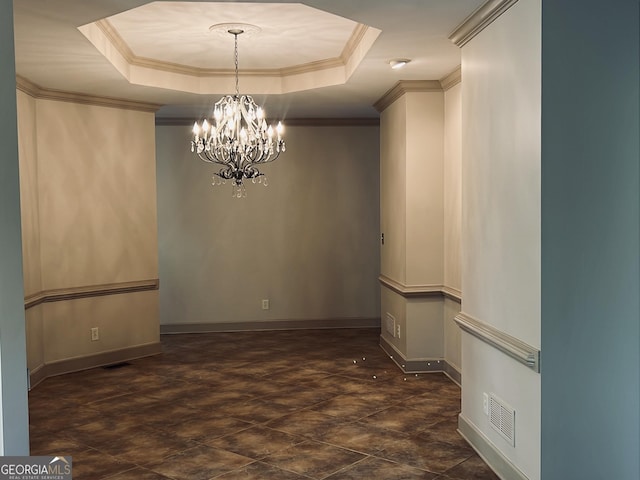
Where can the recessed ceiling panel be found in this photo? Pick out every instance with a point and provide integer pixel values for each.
(170, 45)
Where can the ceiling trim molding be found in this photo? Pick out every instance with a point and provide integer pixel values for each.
(113, 37)
(290, 122)
(479, 20)
(452, 79)
(36, 91)
(403, 87)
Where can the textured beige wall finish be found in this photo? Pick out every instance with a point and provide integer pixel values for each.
(88, 218)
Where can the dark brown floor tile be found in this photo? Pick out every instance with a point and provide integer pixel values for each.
(296, 376)
(221, 397)
(444, 431)
(360, 437)
(377, 468)
(254, 410)
(434, 456)
(123, 403)
(51, 444)
(85, 394)
(290, 396)
(149, 446)
(433, 403)
(307, 423)
(165, 413)
(104, 431)
(404, 420)
(472, 469)
(350, 407)
(260, 471)
(300, 398)
(54, 420)
(94, 465)
(313, 459)
(256, 442)
(200, 463)
(206, 427)
(138, 473)
(174, 391)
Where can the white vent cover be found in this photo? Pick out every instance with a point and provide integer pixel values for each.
(502, 419)
(390, 324)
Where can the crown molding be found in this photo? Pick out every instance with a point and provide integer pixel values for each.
(511, 346)
(479, 20)
(403, 87)
(452, 79)
(114, 38)
(290, 122)
(30, 88)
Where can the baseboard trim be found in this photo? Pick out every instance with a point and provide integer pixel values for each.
(36, 375)
(500, 464)
(86, 362)
(176, 328)
(420, 365)
(453, 373)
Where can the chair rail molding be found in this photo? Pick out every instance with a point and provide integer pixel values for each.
(72, 293)
(511, 346)
(408, 291)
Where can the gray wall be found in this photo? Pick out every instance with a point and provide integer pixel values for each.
(590, 240)
(308, 242)
(14, 435)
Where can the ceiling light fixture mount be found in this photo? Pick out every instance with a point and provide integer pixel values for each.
(237, 137)
(398, 63)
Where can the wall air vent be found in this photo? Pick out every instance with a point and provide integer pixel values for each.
(390, 324)
(502, 419)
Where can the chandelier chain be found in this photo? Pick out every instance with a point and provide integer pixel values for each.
(235, 35)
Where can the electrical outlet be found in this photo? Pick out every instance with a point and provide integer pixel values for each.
(95, 334)
(265, 304)
(398, 330)
(485, 403)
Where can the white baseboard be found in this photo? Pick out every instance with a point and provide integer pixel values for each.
(270, 325)
(500, 464)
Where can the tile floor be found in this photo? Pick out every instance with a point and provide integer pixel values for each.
(289, 405)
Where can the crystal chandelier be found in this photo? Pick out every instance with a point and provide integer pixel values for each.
(237, 137)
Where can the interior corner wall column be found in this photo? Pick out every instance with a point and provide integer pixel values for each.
(411, 218)
(14, 422)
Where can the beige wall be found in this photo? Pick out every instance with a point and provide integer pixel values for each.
(412, 211)
(501, 91)
(393, 198)
(88, 218)
(452, 220)
(308, 242)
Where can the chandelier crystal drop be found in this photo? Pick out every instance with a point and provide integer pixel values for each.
(238, 138)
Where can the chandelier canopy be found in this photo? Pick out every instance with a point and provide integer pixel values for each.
(237, 137)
